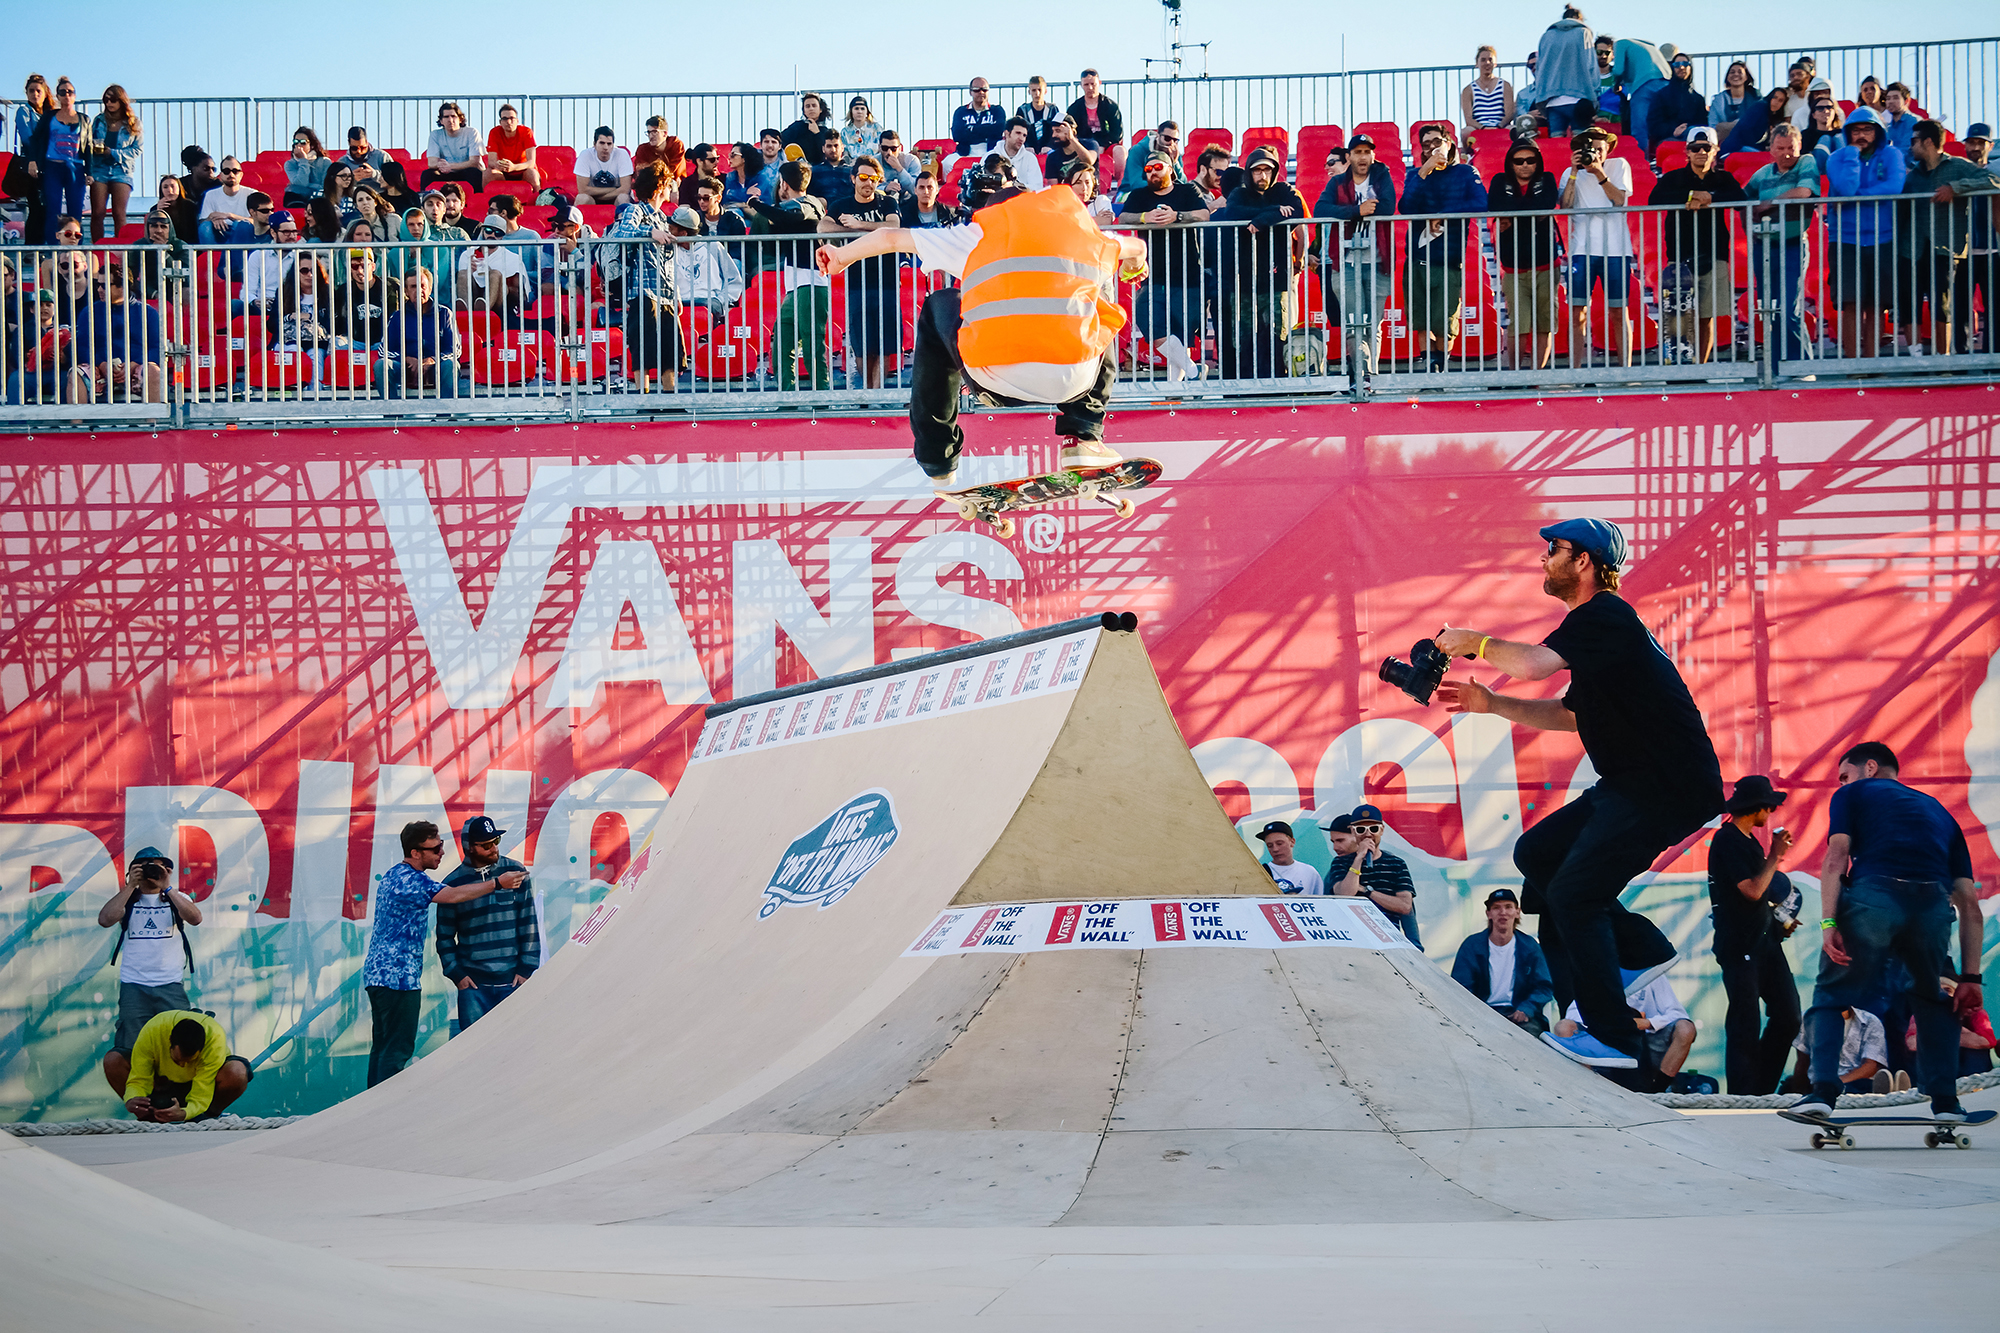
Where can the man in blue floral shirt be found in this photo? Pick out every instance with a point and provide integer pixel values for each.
(393, 973)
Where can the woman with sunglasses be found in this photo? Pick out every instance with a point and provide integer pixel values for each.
(116, 139)
(1527, 253)
(305, 169)
(22, 180)
(1752, 129)
(56, 154)
(335, 207)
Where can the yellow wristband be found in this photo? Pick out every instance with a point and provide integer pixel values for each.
(1481, 654)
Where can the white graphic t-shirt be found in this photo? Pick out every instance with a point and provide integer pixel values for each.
(151, 956)
(1298, 877)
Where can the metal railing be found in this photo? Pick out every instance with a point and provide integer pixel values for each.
(1954, 81)
(527, 326)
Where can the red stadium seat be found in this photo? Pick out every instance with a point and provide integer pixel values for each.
(949, 191)
(1314, 141)
(275, 368)
(1197, 141)
(503, 362)
(1744, 165)
(1268, 136)
(713, 353)
(598, 216)
(558, 166)
(350, 368)
(1388, 137)
(1671, 155)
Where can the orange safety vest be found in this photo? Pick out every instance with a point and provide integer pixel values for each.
(1031, 290)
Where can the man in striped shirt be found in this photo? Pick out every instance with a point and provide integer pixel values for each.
(1368, 871)
(487, 946)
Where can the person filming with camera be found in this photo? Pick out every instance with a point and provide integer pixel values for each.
(1658, 781)
(152, 916)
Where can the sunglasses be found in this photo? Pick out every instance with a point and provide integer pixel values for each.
(302, 143)
(431, 847)
(866, 176)
(232, 171)
(1700, 148)
(1365, 829)
(1555, 546)
(1520, 161)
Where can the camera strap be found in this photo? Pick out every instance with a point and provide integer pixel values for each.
(180, 928)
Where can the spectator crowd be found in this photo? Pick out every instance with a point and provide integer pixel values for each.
(1521, 202)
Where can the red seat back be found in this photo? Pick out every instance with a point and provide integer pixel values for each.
(1273, 137)
(1197, 140)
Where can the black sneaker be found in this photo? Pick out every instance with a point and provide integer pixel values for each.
(1813, 1104)
(1949, 1113)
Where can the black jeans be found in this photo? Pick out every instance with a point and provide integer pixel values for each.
(1763, 1016)
(1573, 865)
(935, 376)
(395, 1036)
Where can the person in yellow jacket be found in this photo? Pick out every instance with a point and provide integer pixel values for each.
(182, 1069)
(1031, 321)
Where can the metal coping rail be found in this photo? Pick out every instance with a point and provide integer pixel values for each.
(1117, 622)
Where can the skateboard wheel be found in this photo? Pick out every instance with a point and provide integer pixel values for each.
(1819, 1140)
(1124, 506)
(1847, 1140)
(1930, 1140)
(968, 511)
(1962, 1141)
(1003, 528)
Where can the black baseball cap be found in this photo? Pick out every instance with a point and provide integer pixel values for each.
(1275, 826)
(1358, 139)
(1339, 824)
(1502, 896)
(479, 828)
(1366, 813)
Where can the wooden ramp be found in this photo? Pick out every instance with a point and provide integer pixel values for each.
(748, 1032)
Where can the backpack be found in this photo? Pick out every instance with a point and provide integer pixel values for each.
(180, 928)
(1305, 353)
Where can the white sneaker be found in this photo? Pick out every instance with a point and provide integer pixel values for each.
(1088, 453)
(947, 482)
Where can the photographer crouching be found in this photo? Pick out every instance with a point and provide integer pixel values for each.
(1658, 782)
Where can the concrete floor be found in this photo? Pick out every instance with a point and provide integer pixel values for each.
(1896, 1269)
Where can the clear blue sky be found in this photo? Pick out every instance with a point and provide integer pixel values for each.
(231, 48)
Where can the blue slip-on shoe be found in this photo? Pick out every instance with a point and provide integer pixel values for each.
(1588, 1050)
(1817, 1105)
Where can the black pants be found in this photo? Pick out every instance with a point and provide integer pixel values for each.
(395, 1038)
(653, 338)
(1574, 864)
(935, 376)
(1763, 1016)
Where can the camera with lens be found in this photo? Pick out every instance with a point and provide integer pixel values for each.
(1421, 675)
(152, 872)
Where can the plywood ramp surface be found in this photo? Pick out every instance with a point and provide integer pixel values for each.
(731, 1049)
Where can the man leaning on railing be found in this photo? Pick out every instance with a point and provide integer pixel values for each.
(1778, 256)
(1933, 237)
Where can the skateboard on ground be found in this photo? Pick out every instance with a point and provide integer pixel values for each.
(990, 504)
(1834, 1129)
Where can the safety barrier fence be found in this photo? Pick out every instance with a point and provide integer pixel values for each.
(1954, 80)
(526, 326)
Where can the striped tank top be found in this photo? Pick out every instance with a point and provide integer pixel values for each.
(1489, 104)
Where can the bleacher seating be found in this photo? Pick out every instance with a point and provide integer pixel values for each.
(1268, 136)
(1314, 141)
(1196, 141)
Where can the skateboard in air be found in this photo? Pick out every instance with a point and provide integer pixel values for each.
(991, 503)
(1834, 1130)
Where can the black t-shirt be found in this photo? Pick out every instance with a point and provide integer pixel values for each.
(1637, 721)
(1740, 923)
(869, 274)
(1170, 250)
(1108, 131)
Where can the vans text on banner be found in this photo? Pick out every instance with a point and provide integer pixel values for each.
(1156, 923)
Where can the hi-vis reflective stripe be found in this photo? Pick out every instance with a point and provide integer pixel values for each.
(1079, 306)
(1031, 264)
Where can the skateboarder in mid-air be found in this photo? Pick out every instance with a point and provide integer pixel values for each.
(1029, 323)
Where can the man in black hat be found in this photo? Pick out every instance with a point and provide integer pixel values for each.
(1658, 781)
(1293, 876)
(487, 946)
(1365, 870)
(1747, 890)
(152, 916)
(1505, 967)
(1256, 264)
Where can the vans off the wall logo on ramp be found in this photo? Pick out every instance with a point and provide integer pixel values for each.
(823, 865)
